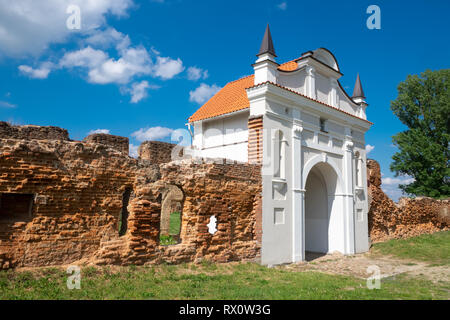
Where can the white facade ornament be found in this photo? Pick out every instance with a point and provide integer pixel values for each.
(349, 145)
(311, 82)
(333, 98)
(297, 131)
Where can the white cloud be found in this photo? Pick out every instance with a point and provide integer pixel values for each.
(282, 6)
(133, 62)
(107, 38)
(154, 133)
(133, 150)
(5, 104)
(105, 131)
(369, 148)
(390, 186)
(139, 91)
(195, 73)
(203, 93)
(397, 181)
(29, 27)
(41, 72)
(167, 68)
(87, 57)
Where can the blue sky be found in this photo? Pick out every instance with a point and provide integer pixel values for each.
(141, 68)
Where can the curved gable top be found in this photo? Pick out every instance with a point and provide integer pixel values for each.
(325, 56)
(322, 55)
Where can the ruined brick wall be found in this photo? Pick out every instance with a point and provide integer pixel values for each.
(77, 192)
(78, 189)
(230, 192)
(121, 144)
(8, 131)
(408, 218)
(157, 152)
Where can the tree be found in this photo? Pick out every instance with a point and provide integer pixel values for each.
(423, 105)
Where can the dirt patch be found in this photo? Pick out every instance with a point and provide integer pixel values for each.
(356, 266)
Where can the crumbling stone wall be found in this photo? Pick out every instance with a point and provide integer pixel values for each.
(121, 144)
(8, 131)
(408, 218)
(158, 152)
(78, 192)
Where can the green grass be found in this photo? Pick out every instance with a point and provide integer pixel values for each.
(432, 248)
(235, 280)
(209, 281)
(174, 229)
(175, 223)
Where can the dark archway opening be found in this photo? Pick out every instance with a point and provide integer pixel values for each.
(123, 217)
(16, 206)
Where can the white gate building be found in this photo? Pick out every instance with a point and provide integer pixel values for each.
(308, 133)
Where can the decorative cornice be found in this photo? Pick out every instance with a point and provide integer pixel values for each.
(306, 97)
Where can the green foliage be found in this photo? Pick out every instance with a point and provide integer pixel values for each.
(166, 240)
(423, 105)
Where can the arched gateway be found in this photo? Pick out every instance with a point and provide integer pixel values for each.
(324, 220)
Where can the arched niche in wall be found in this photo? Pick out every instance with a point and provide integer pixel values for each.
(171, 215)
(279, 155)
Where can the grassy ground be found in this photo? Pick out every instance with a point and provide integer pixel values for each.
(209, 281)
(233, 280)
(431, 248)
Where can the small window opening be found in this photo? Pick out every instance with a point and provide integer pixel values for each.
(16, 206)
(323, 125)
(123, 216)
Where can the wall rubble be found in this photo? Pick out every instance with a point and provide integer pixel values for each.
(410, 217)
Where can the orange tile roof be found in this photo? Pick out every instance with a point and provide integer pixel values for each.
(289, 66)
(230, 98)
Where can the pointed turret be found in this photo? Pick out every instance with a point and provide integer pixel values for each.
(265, 66)
(359, 98)
(267, 44)
(358, 91)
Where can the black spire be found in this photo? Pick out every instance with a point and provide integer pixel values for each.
(267, 44)
(358, 91)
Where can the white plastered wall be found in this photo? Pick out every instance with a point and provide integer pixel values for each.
(224, 137)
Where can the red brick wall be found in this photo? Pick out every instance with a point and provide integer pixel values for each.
(79, 189)
(255, 136)
(156, 152)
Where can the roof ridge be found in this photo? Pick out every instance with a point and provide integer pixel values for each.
(244, 77)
